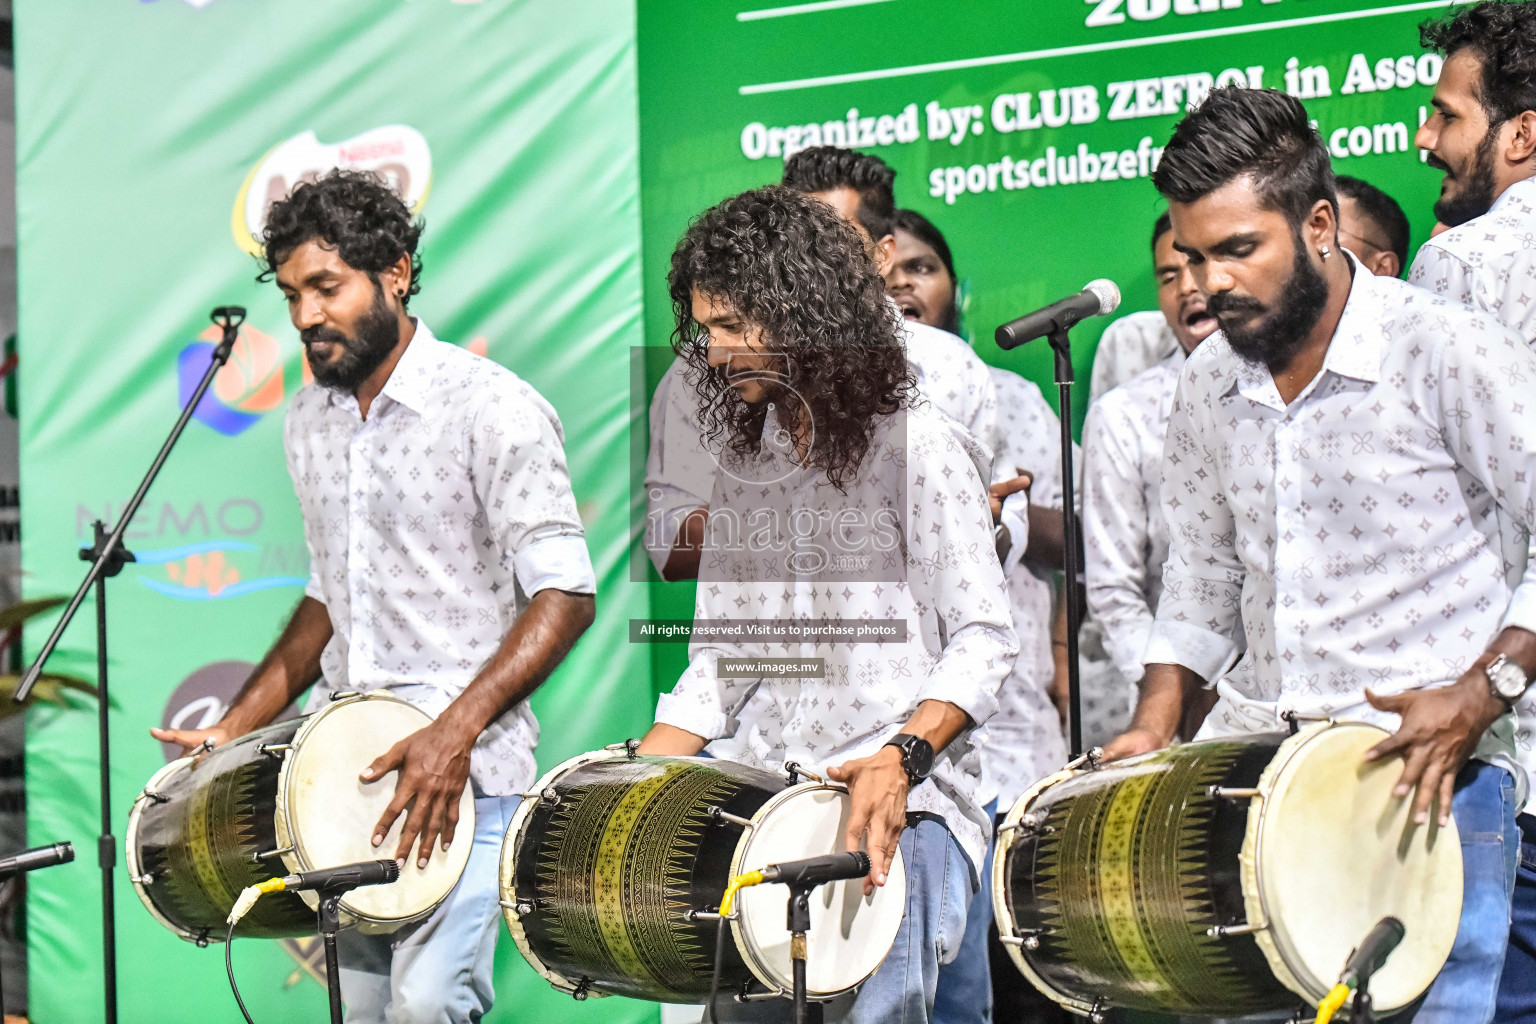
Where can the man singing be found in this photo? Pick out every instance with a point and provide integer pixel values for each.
(447, 565)
(841, 496)
(1341, 460)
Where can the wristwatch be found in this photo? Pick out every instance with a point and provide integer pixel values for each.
(1506, 679)
(916, 756)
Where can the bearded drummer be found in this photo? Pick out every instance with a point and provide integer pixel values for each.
(1350, 475)
(840, 498)
(447, 565)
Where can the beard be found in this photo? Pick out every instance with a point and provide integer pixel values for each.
(377, 334)
(1273, 340)
(1476, 195)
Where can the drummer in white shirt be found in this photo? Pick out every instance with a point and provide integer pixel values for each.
(1340, 459)
(464, 617)
(796, 357)
(1482, 134)
(680, 468)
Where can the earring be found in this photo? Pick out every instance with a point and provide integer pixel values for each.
(1326, 252)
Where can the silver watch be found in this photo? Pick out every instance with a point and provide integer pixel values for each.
(1506, 679)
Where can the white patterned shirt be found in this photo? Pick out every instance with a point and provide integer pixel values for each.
(1129, 345)
(1490, 263)
(680, 467)
(1125, 538)
(1023, 742)
(941, 578)
(1356, 533)
(429, 527)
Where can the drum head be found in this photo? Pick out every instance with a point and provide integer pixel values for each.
(1330, 852)
(330, 813)
(850, 935)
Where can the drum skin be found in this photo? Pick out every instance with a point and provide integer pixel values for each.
(1134, 863)
(611, 858)
(196, 840)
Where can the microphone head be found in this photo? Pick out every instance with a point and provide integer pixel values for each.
(391, 870)
(1108, 294)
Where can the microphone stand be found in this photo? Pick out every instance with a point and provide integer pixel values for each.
(1072, 555)
(799, 923)
(329, 924)
(6, 876)
(107, 557)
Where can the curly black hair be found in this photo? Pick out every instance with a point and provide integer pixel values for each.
(791, 268)
(1262, 133)
(1503, 36)
(355, 213)
(826, 168)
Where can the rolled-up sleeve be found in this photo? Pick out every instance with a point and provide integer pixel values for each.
(1198, 615)
(955, 575)
(517, 463)
(703, 702)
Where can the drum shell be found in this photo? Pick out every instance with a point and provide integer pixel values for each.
(193, 845)
(1134, 863)
(644, 838)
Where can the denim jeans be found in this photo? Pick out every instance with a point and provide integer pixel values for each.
(940, 884)
(438, 971)
(964, 994)
(1517, 988)
(1468, 985)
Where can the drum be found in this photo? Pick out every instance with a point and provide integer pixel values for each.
(284, 799)
(612, 872)
(1224, 878)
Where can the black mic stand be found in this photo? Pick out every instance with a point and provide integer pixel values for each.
(107, 557)
(6, 876)
(330, 924)
(1072, 555)
(799, 924)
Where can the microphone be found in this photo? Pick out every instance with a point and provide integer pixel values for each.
(1368, 957)
(814, 871)
(347, 876)
(38, 857)
(1098, 298)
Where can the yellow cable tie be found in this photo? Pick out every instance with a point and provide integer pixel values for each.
(1331, 1002)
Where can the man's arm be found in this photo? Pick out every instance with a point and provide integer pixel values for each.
(434, 761)
(290, 667)
(1116, 535)
(688, 549)
(679, 476)
(1167, 694)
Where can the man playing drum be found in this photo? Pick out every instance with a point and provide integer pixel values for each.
(1349, 475)
(840, 498)
(447, 565)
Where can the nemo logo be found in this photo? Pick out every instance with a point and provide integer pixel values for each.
(248, 386)
(396, 152)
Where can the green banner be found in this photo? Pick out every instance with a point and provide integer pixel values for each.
(1026, 131)
(151, 136)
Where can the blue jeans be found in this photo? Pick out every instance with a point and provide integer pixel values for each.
(438, 971)
(1468, 985)
(1517, 988)
(939, 889)
(964, 994)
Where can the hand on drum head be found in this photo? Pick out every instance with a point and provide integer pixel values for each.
(193, 741)
(1439, 731)
(434, 767)
(877, 787)
(1131, 743)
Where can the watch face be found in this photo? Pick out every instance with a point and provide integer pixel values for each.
(1508, 680)
(920, 757)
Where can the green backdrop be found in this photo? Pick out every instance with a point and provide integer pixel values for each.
(537, 161)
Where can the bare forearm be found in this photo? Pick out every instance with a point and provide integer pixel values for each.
(688, 549)
(290, 667)
(938, 722)
(537, 642)
(1047, 539)
(664, 740)
(1167, 691)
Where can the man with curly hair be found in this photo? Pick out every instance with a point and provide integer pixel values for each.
(1482, 134)
(680, 469)
(447, 565)
(842, 496)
